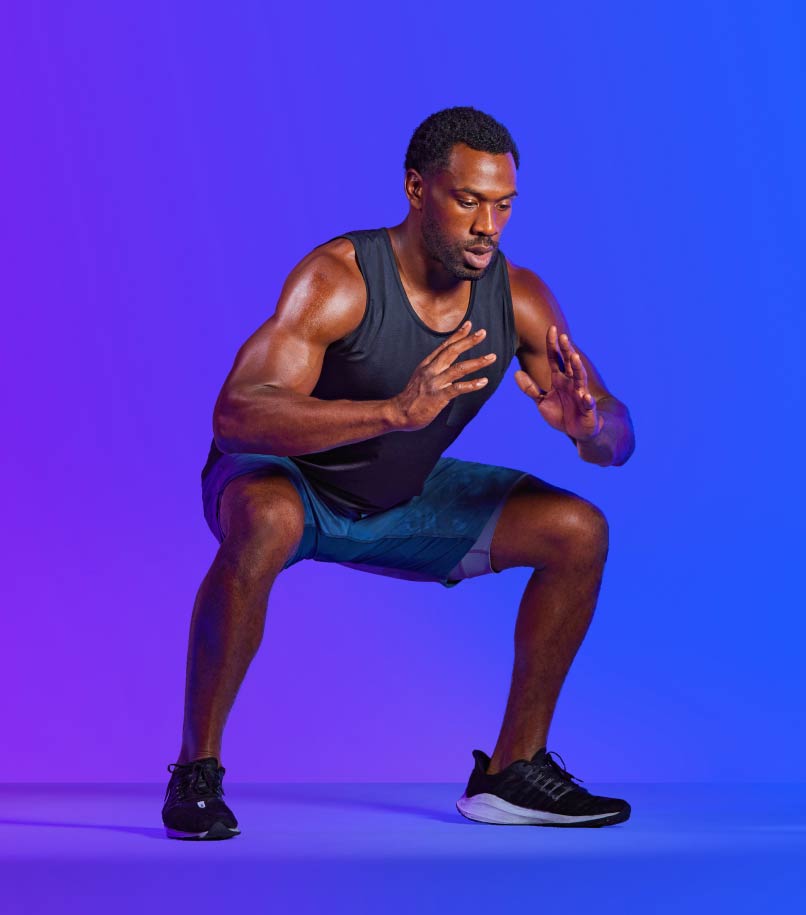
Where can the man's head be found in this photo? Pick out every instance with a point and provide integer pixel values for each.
(460, 180)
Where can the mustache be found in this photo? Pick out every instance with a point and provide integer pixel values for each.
(481, 243)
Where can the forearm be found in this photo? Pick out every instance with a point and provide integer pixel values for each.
(267, 420)
(615, 442)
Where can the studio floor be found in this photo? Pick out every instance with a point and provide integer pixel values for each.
(389, 848)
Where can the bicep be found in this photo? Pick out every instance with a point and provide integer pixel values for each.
(536, 309)
(322, 301)
(278, 354)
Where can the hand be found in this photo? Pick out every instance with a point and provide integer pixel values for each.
(434, 382)
(568, 406)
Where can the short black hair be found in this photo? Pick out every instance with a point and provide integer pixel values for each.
(431, 143)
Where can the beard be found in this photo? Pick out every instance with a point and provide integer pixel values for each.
(451, 254)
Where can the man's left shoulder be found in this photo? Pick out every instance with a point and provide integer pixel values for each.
(533, 303)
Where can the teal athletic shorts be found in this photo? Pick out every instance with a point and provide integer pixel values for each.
(442, 535)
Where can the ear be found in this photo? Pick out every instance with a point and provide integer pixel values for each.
(413, 184)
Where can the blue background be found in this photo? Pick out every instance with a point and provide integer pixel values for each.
(165, 167)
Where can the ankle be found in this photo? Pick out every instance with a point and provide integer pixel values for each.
(500, 762)
(186, 757)
(503, 758)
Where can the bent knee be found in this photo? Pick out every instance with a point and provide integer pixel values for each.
(581, 525)
(262, 508)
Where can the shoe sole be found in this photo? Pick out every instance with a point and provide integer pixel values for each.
(216, 831)
(489, 808)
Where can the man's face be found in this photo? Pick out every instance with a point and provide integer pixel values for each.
(465, 209)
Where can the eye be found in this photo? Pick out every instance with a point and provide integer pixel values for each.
(505, 206)
(467, 204)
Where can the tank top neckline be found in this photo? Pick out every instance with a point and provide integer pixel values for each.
(396, 272)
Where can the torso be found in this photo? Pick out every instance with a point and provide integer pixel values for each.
(389, 337)
(339, 284)
(530, 299)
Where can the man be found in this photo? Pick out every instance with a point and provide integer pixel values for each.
(328, 439)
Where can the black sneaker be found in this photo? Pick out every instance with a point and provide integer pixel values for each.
(535, 792)
(193, 807)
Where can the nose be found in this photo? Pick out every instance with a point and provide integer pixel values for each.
(484, 223)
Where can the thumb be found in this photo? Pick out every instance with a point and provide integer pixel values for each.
(528, 386)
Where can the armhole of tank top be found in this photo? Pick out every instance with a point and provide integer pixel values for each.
(348, 339)
(513, 332)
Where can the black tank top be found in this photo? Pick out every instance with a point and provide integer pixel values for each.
(375, 362)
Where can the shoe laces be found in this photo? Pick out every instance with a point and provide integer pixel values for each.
(563, 772)
(196, 780)
(544, 775)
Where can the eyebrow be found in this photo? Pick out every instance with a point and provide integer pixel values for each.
(469, 190)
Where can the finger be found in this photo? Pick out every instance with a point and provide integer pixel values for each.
(580, 374)
(459, 334)
(465, 367)
(588, 401)
(553, 350)
(464, 387)
(528, 386)
(567, 351)
(449, 354)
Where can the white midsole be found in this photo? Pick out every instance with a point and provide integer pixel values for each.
(178, 834)
(489, 808)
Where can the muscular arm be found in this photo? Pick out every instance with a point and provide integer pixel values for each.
(536, 310)
(265, 406)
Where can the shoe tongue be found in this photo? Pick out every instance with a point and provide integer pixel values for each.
(539, 756)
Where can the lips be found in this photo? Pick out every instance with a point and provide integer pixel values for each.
(478, 256)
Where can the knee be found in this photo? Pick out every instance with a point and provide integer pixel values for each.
(262, 516)
(582, 530)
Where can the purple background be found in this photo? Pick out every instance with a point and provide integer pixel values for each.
(166, 165)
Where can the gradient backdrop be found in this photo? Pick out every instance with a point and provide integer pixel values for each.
(164, 167)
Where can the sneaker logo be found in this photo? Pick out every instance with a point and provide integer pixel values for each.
(200, 803)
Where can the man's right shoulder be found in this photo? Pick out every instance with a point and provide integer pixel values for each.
(333, 261)
(325, 288)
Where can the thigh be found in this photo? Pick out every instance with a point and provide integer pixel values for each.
(424, 539)
(541, 523)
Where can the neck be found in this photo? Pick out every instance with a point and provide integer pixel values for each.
(421, 271)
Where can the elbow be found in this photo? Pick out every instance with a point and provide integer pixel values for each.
(239, 427)
(224, 429)
(627, 454)
(222, 445)
(628, 439)
(222, 442)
